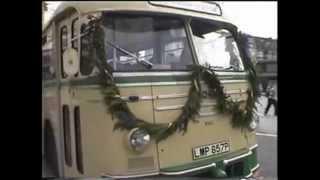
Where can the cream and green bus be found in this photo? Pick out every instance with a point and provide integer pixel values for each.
(151, 47)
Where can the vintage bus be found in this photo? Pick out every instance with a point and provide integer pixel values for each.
(78, 135)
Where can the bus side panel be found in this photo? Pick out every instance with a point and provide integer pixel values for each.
(52, 132)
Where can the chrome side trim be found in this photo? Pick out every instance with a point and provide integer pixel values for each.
(153, 84)
(233, 81)
(237, 157)
(181, 95)
(165, 96)
(164, 108)
(172, 83)
(253, 147)
(188, 170)
(175, 107)
(133, 84)
(130, 176)
(170, 73)
(168, 96)
(137, 74)
(141, 98)
(231, 73)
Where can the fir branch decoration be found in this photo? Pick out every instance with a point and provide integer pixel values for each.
(126, 120)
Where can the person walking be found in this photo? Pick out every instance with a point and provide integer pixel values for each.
(272, 100)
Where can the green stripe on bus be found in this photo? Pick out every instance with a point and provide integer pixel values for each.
(140, 79)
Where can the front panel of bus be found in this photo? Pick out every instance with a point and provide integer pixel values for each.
(172, 45)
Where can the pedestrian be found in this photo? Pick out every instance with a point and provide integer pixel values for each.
(272, 100)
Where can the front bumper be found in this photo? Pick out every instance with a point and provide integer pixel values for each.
(238, 164)
(242, 163)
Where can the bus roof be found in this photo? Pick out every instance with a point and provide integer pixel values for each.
(85, 7)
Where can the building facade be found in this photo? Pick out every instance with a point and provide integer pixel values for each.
(263, 52)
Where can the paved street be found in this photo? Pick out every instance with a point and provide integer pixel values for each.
(267, 140)
(268, 123)
(267, 156)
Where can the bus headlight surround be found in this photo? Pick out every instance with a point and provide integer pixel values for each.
(139, 139)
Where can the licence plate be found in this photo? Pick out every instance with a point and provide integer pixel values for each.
(210, 150)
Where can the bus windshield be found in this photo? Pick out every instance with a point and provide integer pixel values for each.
(162, 41)
(216, 47)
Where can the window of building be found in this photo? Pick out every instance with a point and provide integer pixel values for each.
(271, 68)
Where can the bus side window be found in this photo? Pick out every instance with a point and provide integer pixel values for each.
(86, 62)
(64, 45)
(48, 64)
(74, 33)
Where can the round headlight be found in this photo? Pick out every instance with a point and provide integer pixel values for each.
(139, 139)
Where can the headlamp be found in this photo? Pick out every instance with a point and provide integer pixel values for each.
(139, 139)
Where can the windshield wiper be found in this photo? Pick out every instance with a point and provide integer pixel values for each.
(145, 63)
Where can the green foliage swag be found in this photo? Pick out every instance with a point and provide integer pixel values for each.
(118, 107)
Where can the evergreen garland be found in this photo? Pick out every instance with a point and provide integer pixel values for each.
(127, 120)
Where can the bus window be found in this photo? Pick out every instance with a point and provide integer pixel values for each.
(64, 38)
(159, 40)
(86, 62)
(64, 46)
(74, 33)
(216, 47)
(48, 64)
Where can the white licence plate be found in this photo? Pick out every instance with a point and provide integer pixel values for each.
(210, 150)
